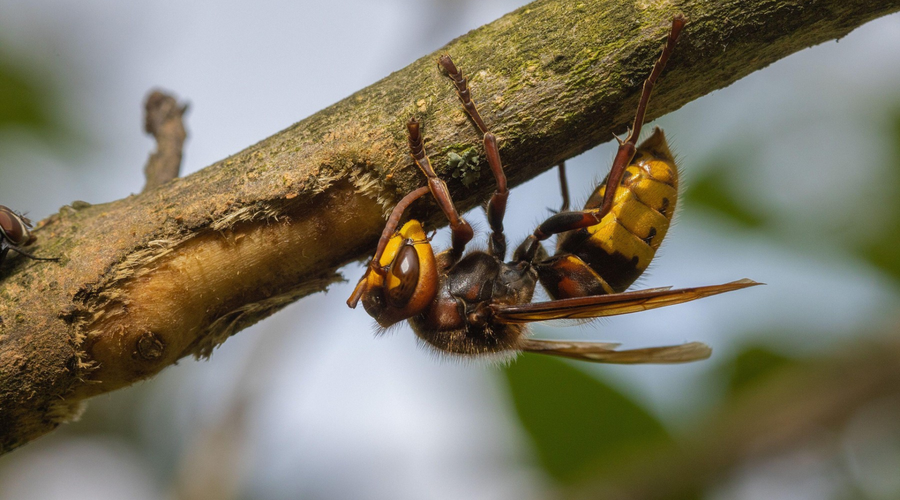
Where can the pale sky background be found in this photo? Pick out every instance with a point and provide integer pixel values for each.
(329, 410)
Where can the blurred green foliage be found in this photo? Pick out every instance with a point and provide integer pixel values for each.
(751, 365)
(577, 422)
(24, 100)
(582, 427)
(883, 249)
(712, 192)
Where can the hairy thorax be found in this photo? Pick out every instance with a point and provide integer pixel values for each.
(460, 318)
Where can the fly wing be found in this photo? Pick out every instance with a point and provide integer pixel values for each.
(597, 306)
(605, 353)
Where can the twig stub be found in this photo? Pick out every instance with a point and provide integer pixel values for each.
(163, 119)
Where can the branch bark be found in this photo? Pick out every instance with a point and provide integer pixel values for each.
(147, 280)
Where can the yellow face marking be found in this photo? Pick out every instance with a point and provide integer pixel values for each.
(412, 230)
(387, 282)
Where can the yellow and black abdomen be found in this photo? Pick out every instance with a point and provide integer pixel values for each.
(608, 257)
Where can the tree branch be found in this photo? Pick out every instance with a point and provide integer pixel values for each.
(174, 271)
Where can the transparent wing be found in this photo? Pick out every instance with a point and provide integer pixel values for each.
(605, 353)
(597, 306)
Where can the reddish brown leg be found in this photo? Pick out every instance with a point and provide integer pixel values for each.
(30, 256)
(627, 147)
(462, 90)
(569, 221)
(389, 229)
(563, 187)
(496, 208)
(462, 231)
